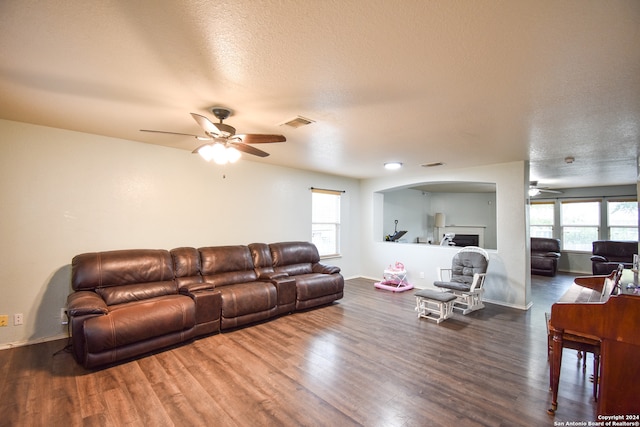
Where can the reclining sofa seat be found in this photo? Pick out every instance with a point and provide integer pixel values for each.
(316, 283)
(126, 303)
(285, 285)
(545, 253)
(244, 298)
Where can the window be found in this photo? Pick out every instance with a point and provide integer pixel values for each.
(623, 219)
(325, 221)
(580, 224)
(541, 219)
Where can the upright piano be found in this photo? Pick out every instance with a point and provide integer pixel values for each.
(607, 308)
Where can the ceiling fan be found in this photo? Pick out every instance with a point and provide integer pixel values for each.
(226, 145)
(535, 190)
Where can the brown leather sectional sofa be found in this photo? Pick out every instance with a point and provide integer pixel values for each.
(130, 302)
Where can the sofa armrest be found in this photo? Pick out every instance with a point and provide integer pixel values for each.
(324, 268)
(81, 303)
(195, 287)
(286, 288)
(272, 276)
(208, 301)
(552, 255)
(598, 258)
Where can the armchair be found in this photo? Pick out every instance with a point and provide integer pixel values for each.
(607, 254)
(465, 278)
(544, 256)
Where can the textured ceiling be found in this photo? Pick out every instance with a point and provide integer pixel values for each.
(461, 82)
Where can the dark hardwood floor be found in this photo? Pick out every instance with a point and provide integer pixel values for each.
(365, 360)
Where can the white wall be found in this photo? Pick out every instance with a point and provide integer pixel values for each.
(410, 208)
(64, 193)
(508, 280)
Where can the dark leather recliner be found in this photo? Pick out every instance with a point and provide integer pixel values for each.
(316, 283)
(545, 253)
(607, 254)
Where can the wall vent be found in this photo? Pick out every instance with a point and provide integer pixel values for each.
(297, 122)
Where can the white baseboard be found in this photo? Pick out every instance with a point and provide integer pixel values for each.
(31, 342)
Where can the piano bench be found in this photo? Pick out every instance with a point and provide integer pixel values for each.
(434, 305)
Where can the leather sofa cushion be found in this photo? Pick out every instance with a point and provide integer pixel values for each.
(295, 269)
(137, 292)
(186, 261)
(615, 251)
(247, 298)
(225, 265)
(288, 253)
(262, 262)
(543, 246)
(123, 267)
(137, 321)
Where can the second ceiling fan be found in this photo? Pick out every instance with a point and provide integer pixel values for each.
(225, 145)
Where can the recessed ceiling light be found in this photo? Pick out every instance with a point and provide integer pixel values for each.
(392, 165)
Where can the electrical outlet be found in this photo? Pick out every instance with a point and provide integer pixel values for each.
(422, 274)
(63, 316)
(17, 319)
(4, 320)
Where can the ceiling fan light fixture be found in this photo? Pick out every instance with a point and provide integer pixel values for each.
(233, 154)
(219, 153)
(206, 152)
(392, 165)
(533, 192)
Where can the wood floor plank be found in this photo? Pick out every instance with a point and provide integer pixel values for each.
(366, 360)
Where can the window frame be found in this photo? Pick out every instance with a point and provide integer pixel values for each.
(553, 218)
(604, 228)
(563, 226)
(336, 225)
(606, 211)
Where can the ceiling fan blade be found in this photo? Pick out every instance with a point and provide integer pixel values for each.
(199, 147)
(199, 137)
(253, 138)
(544, 190)
(209, 127)
(248, 149)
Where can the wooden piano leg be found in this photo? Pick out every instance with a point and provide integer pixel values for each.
(556, 361)
(596, 375)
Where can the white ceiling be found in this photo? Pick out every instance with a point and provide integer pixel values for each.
(455, 81)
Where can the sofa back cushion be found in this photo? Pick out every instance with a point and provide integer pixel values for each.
(541, 244)
(226, 265)
(294, 258)
(615, 250)
(261, 256)
(186, 266)
(95, 270)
